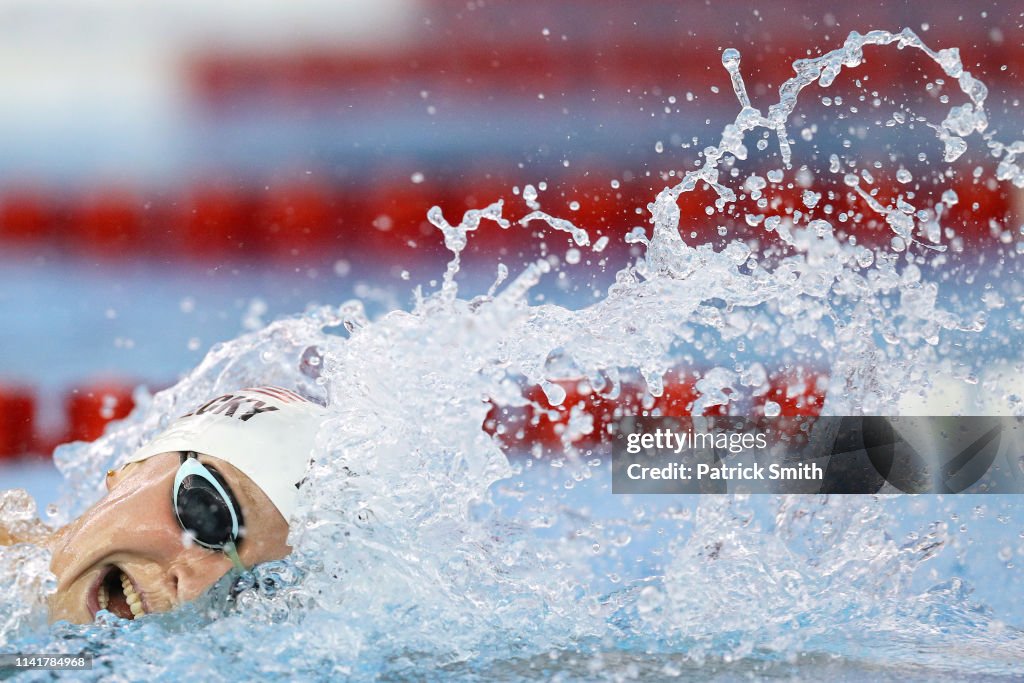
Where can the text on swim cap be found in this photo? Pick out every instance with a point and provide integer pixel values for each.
(229, 405)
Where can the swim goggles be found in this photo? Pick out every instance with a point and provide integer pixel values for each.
(206, 509)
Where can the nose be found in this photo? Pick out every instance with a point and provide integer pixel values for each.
(194, 570)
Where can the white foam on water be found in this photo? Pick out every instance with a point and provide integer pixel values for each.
(422, 550)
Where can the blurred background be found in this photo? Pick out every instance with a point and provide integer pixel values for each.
(174, 173)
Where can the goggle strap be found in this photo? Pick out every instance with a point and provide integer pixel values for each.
(232, 552)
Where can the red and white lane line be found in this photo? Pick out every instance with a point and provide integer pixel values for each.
(89, 408)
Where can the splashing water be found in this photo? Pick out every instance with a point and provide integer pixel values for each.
(423, 550)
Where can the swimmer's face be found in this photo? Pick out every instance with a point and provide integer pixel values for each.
(132, 534)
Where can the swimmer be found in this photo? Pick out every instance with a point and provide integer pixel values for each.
(212, 492)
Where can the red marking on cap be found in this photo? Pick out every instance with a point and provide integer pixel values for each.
(277, 393)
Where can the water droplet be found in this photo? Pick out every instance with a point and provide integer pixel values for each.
(731, 58)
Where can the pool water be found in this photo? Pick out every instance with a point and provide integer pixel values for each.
(425, 549)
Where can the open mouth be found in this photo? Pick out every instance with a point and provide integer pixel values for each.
(118, 595)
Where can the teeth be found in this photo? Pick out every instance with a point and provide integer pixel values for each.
(103, 597)
(132, 598)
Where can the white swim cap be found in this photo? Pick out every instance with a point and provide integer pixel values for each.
(268, 433)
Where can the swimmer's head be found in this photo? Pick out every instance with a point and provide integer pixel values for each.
(266, 432)
(226, 474)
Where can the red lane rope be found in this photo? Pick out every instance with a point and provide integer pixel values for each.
(17, 415)
(89, 408)
(311, 221)
(474, 67)
(584, 417)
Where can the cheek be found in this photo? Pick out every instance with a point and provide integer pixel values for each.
(68, 604)
(143, 524)
(138, 521)
(269, 543)
(75, 545)
(60, 544)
